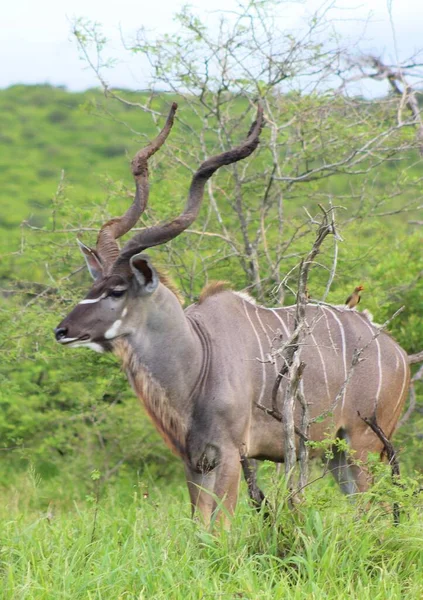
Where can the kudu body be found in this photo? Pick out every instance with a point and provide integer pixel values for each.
(201, 372)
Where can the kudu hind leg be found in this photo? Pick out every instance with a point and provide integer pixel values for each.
(340, 468)
(350, 476)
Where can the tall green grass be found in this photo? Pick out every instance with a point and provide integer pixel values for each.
(139, 542)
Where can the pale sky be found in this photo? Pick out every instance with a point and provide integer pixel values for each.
(36, 45)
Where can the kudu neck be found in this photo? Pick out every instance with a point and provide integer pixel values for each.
(169, 347)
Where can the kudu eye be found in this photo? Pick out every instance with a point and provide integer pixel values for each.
(116, 293)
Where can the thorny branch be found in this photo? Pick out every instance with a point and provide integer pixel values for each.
(391, 455)
(396, 78)
(293, 367)
(415, 358)
(218, 75)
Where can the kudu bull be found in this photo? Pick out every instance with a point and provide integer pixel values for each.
(201, 372)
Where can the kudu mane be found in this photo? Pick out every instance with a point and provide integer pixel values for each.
(212, 289)
(154, 398)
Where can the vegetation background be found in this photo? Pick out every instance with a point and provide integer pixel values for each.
(92, 503)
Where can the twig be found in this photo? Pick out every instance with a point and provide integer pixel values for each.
(390, 453)
(249, 469)
(294, 367)
(415, 358)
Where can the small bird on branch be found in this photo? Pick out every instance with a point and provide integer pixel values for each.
(355, 298)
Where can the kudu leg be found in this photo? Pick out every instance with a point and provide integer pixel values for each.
(350, 478)
(202, 502)
(351, 472)
(249, 468)
(220, 484)
(358, 467)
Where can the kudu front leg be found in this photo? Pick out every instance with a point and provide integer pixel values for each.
(213, 480)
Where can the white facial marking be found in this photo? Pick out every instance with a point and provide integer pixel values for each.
(74, 343)
(92, 345)
(92, 300)
(124, 312)
(113, 330)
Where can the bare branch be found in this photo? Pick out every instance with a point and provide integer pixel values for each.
(391, 455)
(415, 358)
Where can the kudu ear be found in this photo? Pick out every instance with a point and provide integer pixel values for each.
(144, 272)
(92, 259)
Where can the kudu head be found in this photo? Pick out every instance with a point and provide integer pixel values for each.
(125, 280)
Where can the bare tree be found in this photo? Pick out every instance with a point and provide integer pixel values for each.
(314, 133)
(372, 67)
(293, 367)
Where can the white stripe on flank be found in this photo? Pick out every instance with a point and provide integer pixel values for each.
(329, 331)
(281, 322)
(323, 364)
(344, 351)
(379, 366)
(92, 300)
(268, 339)
(285, 328)
(263, 374)
(397, 350)
(379, 361)
(405, 377)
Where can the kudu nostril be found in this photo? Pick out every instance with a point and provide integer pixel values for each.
(60, 333)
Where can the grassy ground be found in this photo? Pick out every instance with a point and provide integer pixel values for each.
(140, 542)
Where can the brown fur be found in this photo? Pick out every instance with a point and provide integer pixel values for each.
(164, 417)
(212, 289)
